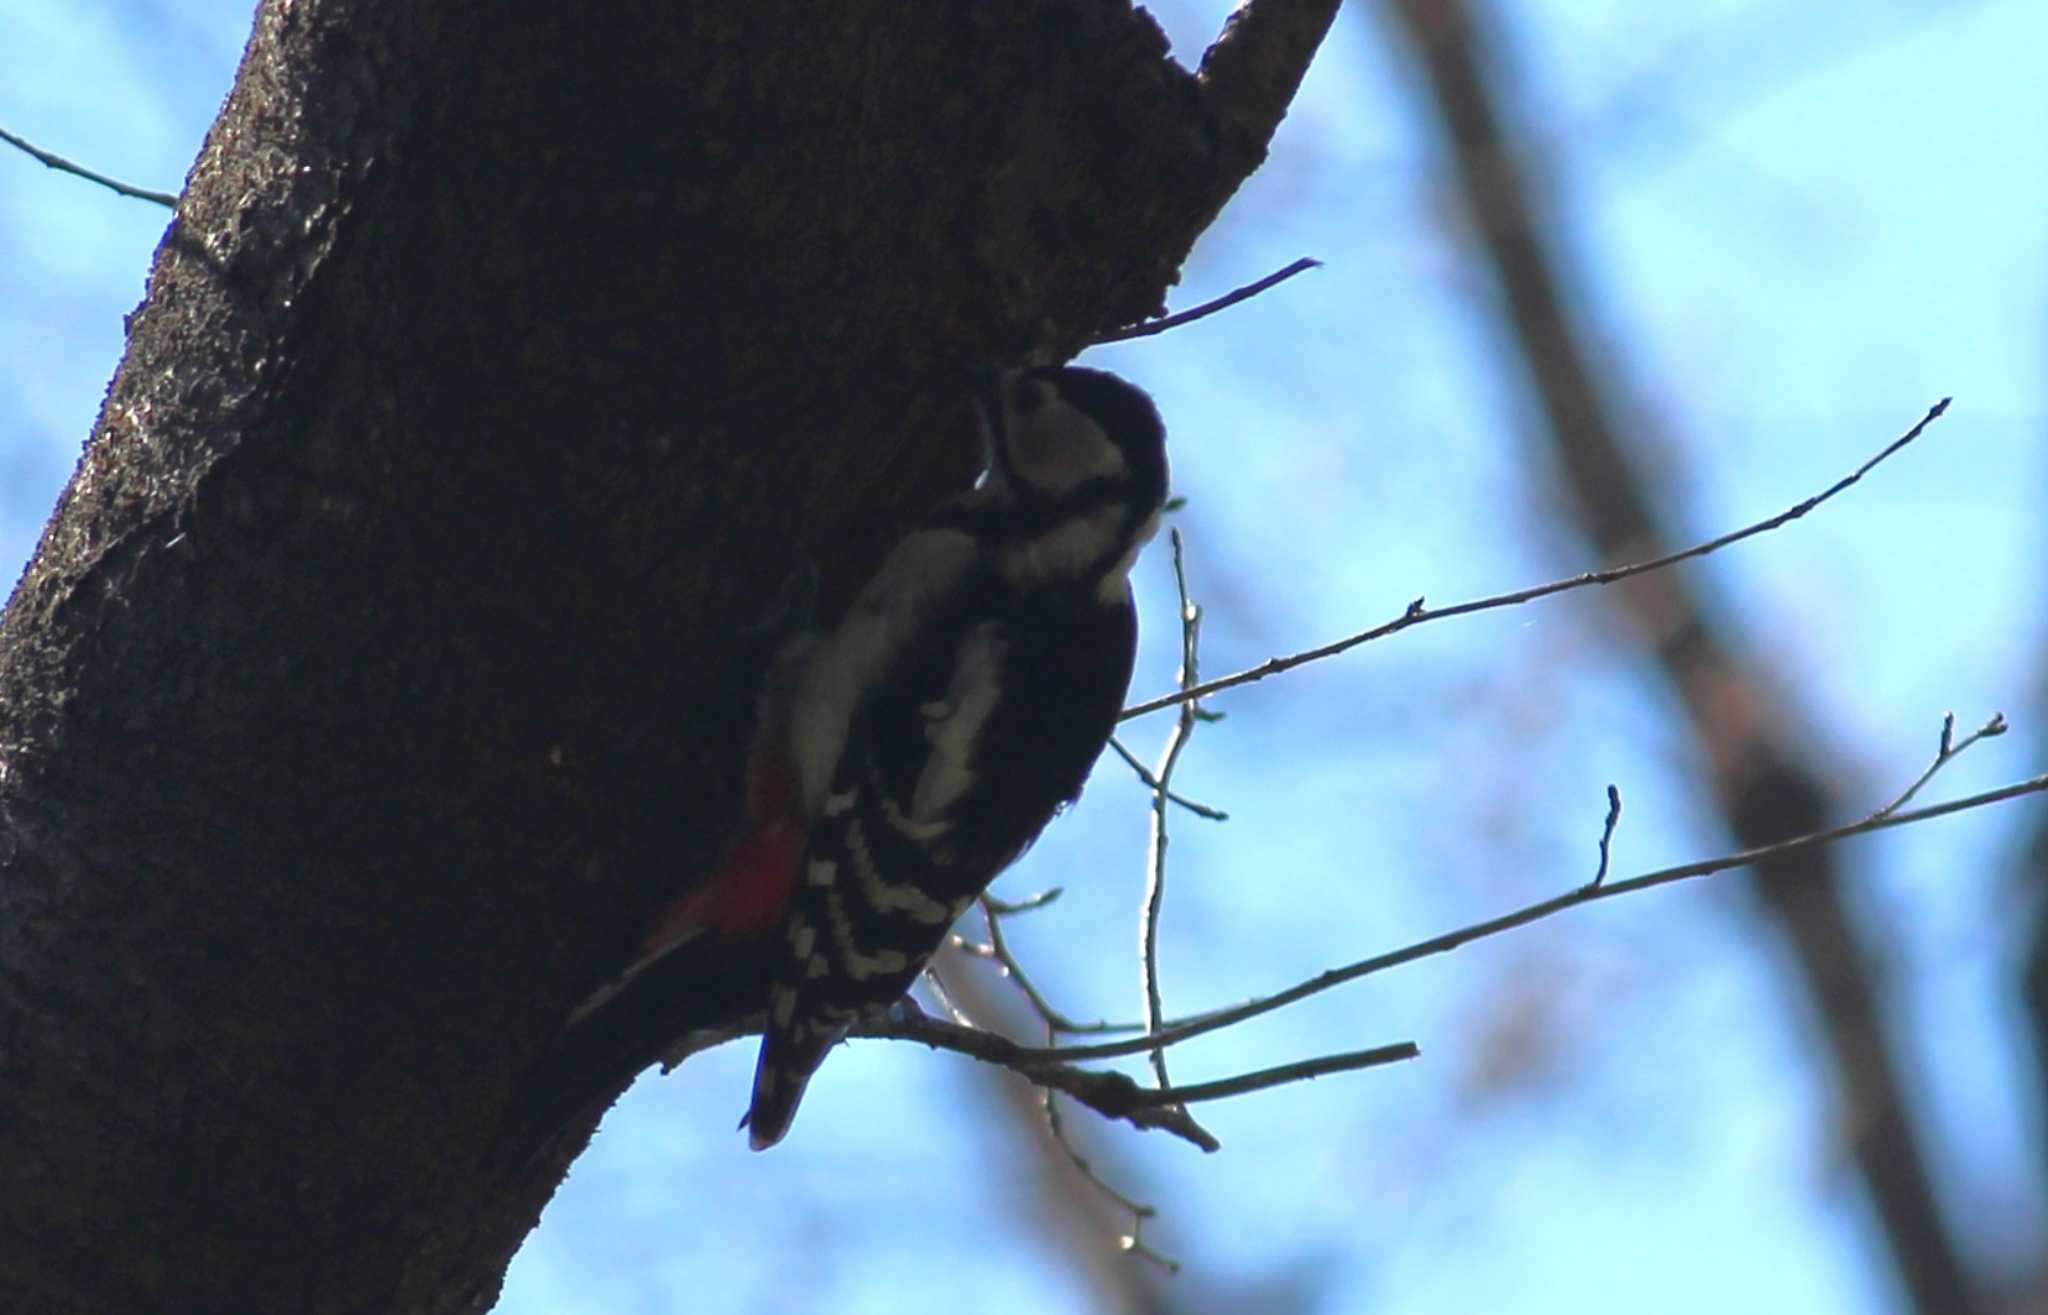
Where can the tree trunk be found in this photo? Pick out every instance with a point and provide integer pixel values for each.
(380, 664)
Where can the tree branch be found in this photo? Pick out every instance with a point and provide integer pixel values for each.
(1607, 832)
(1147, 328)
(1416, 613)
(1945, 753)
(62, 165)
(1151, 782)
(1280, 1075)
(1536, 912)
(998, 952)
(1249, 74)
(1169, 758)
(1111, 1094)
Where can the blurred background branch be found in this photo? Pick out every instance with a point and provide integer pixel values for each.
(1769, 758)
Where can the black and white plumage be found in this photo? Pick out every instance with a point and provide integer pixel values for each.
(958, 706)
(899, 761)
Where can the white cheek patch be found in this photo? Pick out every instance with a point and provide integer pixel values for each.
(1076, 548)
(1056, 449)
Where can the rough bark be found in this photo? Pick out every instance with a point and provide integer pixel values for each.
(377, 666)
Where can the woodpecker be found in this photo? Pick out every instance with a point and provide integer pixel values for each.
(904, 759)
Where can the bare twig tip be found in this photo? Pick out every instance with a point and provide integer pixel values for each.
(1945, 752)
(1607, 835)
(62, 165)
(1417, 613)
(1207, 308)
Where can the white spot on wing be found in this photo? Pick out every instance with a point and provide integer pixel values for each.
(890, 609)
(971, 697)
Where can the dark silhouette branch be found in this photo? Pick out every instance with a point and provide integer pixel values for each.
(1109, 1093)
(1208, 308)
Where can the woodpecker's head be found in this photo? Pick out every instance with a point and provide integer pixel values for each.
(1067, 435)
(1076, 473)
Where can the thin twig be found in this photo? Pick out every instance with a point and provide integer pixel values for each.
(998, 952)
(1586, 894)
(1169, 758)
(1003, 908)
(1131, 1239)
(1140, 1212)
(1607, 832)
(1056, 1022)
(937, 986)
(1417, 613)
(1109, 1093)
(62, 165)
(1151, 782)
(1944, 753)
(1224, 302)
(1116, 1096)
(1282, 1074)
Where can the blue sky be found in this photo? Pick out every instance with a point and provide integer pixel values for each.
(1792, 228)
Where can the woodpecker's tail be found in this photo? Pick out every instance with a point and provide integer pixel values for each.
(790, 1054)
(682, 1003)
